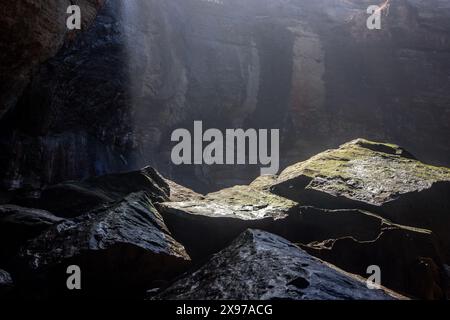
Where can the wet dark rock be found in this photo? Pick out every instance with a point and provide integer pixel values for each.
(18, 224)
(73, 198)
(262, 266)
(122, 250)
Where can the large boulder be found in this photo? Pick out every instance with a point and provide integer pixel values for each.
(121, 250)
(221, 216)
(73, 198)
(381, 178)
(18, 224)
(263, 266)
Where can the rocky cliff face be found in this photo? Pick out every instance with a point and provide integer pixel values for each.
(110, 100)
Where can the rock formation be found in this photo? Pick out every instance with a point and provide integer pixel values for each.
(145, 230)
(85, 125)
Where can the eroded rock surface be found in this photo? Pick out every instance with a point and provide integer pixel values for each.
(262, 266)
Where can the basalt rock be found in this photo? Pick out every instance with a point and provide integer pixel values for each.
(18, 224)
(121, 250)
(381, 178)
(262, 266)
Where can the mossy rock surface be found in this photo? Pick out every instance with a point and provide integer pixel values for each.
(242, 202)
(205, 226)
(366, 171)
(377, 177)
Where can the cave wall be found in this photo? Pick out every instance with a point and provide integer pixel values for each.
(109, 100)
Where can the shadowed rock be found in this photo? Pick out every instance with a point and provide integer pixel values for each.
(121, 249)
(410, 259)
(262, 266)
(73, 198)
(18, 224)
